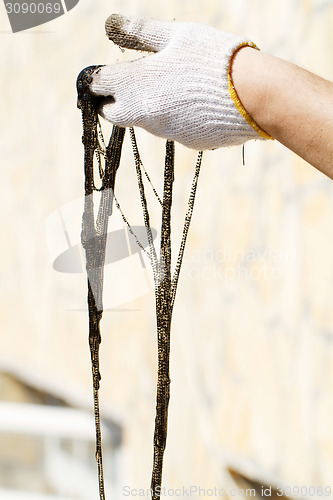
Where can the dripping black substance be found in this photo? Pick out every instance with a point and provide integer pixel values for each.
(94, 233)
(94, 236)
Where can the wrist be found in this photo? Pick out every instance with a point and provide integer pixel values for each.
(249, 92)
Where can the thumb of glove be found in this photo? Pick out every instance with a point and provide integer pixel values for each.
(139, 34)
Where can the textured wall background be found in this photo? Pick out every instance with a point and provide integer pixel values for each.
(252, 350)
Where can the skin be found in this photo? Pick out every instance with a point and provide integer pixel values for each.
(291, 104)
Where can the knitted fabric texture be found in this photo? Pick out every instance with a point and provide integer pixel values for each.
(181, 91)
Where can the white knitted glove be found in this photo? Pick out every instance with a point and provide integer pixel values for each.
(182, 92)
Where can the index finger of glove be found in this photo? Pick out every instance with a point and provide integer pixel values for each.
(139, 34)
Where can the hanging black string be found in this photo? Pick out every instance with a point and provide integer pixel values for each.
(94, 234)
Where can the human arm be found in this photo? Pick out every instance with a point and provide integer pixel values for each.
(291, 104)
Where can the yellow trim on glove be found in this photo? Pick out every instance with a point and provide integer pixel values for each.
(236, 100)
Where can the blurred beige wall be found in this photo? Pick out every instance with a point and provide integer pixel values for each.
(252, 337)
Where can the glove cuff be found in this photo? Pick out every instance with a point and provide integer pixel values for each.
(237, 101)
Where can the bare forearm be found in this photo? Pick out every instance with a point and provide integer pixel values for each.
(291, 104)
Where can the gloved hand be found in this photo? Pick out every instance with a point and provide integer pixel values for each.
(181, 92)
